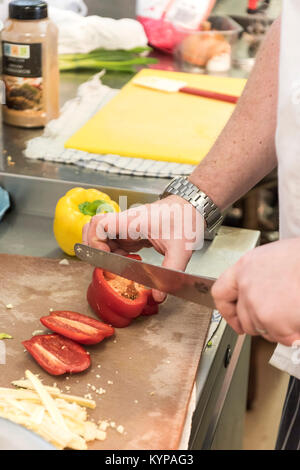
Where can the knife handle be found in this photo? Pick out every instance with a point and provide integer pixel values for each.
(210, 94)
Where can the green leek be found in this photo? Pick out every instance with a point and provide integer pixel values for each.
(119, 60)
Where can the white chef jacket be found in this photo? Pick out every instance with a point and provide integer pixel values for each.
(288, 151)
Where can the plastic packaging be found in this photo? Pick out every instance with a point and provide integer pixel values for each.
(162, 18)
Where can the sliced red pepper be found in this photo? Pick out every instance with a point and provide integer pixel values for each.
(151, 308)
(58, 355)
(103, 311)
(117, 300)
(80, 328)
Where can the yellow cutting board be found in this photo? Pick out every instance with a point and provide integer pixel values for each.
(172, 127)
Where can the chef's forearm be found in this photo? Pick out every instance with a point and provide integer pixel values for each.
(245, 151)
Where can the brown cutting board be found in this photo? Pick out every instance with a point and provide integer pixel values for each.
(152, 363)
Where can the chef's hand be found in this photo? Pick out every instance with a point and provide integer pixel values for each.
(169, 225)
(260, 294)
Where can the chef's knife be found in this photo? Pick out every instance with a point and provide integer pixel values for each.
(186, 286)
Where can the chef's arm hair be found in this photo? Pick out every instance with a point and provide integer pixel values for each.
(245, 151)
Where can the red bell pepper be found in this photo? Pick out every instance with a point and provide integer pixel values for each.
(117, 300)
(80, 328)
(151, 308)
(58, 355)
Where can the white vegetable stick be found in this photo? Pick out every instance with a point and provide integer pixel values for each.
(55, 392)
(19, 394)
(50, 434)
(49, 403)
(27, 384)
(38, 414)
(79, 400)
(60, 419)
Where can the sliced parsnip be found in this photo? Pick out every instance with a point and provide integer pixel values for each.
(79, 400)
(28, 385)
(60, 419)
(47, 400)
(55, 392)
(19, 394)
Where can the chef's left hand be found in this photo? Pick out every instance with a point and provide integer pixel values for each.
(260, 294)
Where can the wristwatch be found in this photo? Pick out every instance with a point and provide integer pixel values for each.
(182, 187)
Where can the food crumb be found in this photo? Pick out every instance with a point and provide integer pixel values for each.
(98, 376)
(115, 341)
(103, 425)
(64, 262)
(9, 306)
(152, 393)
(136, 401)
(50, 309)
(37, 332)
(112, 424)
(120, 429)
(101, 435)
(67, 387)
(88, 396)
(110, 382)
(10, 161)
(98, 366)
(93, 388)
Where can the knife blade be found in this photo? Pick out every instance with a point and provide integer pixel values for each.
(186, 286)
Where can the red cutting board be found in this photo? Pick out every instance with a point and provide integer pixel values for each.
(153, 362)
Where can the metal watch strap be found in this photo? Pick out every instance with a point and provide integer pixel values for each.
(182, 187)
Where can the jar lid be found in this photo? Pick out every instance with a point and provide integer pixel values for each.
(28, 9)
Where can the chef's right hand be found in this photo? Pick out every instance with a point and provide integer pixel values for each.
(172, 226)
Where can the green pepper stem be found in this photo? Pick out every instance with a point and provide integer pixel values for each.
(95, 207)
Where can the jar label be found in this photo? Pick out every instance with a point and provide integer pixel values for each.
(22, 60)
(22, 75)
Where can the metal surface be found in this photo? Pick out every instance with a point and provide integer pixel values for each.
(13, 143)
(16, 437)
(231, 367)
(186, 286)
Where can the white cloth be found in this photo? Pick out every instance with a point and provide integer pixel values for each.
(288, 149)
(82, 34)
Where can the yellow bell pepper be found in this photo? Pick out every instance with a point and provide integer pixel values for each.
(76, 209)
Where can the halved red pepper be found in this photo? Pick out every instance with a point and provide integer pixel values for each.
(117, 300)
(80, 328)
(151, 308)
(58, 355)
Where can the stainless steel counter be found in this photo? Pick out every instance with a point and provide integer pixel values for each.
(221, 384)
